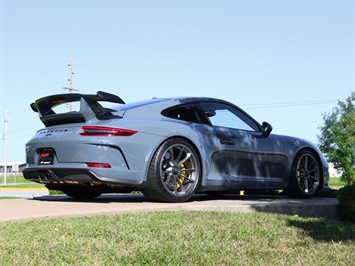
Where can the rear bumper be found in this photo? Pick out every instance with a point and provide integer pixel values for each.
(54, 175)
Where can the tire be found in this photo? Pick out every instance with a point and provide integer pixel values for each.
(174, 172)
(305, 175)
(81, 192)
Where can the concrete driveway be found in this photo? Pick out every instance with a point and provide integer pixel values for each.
(44, 207)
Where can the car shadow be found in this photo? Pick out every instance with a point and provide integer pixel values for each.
(122, 198)
(314, 207)
(322, 230)
(140, 198)
(105, 198)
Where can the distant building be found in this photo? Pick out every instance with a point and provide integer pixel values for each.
(12, 167)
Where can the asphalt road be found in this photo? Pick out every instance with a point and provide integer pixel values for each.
(45, 207)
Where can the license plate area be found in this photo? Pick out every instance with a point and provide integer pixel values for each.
(46, 156)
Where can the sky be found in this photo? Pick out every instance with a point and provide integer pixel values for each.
(287, 62)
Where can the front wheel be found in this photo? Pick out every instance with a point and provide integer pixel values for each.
(174, 172)
(305, 176)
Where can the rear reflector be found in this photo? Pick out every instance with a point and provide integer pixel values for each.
(99, 165)
(106, 131)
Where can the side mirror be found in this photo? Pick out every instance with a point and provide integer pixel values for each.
(266, 129)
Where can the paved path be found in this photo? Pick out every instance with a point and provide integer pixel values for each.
(23, 192)
(43, 207)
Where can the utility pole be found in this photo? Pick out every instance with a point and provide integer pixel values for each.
(4, 137)
(70, 79)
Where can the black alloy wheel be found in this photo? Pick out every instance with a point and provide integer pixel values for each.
(305, 175)
(174, 172)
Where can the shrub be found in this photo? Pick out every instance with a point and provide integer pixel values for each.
(327, 193)
(346, 198)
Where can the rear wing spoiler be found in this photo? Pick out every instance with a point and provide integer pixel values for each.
(90, 108)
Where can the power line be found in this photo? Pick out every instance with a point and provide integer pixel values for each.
(287, 104)
(258, 105)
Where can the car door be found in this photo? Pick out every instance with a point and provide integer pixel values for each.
(246, 156)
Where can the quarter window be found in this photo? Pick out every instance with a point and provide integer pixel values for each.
(223, 115)
(186, 112)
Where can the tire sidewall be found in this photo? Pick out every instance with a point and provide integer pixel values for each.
(154, 180)
(294, 189)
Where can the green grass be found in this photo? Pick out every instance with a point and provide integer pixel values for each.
(335, 181)
(13, 179)
(179, 238)
(24, 185)
(18, 182)
(8, 197)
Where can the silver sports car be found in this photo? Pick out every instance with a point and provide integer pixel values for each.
(168, 148)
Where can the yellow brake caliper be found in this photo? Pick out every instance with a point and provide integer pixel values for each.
(181, 175)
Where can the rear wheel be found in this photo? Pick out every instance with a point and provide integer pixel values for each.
(174, 172)
(81, 192)
(305, 176)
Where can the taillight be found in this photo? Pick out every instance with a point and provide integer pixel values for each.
(106, 131)
(99, 165)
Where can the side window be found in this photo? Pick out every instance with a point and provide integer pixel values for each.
(186, 112)
(223, 115)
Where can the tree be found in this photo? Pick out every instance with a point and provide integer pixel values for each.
(337, 139)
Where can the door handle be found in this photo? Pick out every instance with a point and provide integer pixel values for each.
(227, 141)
